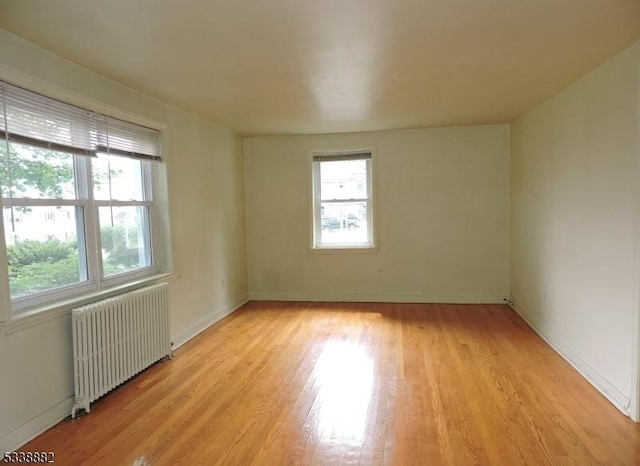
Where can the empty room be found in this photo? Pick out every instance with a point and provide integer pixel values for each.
(387, 232)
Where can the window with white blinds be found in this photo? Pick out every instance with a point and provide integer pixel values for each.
(77, 198)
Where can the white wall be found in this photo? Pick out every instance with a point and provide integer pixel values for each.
(206, 193)
(206, 200)
(443, 218)
(574, 204)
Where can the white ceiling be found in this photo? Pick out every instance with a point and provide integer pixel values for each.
(319, 66)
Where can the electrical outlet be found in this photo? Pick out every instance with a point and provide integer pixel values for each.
(222, 283)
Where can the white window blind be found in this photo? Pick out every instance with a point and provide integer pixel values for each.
(341, 157)
(127, 139)
(30, 118)
(33, 119)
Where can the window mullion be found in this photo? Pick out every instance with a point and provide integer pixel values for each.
(5, 294)
(147, 182)
(30, 202)
(122, 203)
(84, 186)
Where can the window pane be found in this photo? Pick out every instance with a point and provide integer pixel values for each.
(343, 179)
(117, 178)
(42, 248)
(344, 222)
(32, 172)
(4, 170)
(126, 244)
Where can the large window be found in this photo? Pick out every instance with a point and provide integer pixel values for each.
(77, 198)
(342, 200)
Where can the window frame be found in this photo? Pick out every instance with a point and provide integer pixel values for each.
(96, 282)
(148, 201)
(317, 245)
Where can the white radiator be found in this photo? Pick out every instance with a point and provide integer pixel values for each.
(116, 338)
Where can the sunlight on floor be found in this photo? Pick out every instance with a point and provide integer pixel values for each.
(344, 373)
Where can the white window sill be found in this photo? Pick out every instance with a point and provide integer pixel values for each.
(33, 317)
(344, 250)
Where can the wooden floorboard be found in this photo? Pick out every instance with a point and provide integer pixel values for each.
(334, 383)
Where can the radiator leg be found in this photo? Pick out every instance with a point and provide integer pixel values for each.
(78, 405)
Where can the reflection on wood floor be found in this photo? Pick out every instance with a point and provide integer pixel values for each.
(319, 383)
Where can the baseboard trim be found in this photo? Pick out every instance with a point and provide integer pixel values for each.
(373, 298)
(187, 334)
(600, 383)
(31, 429)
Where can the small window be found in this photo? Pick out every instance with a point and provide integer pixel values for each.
(342, 200)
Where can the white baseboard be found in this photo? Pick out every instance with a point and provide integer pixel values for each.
(372, 298)
(615, 396)
(187, 334)
(31, 429)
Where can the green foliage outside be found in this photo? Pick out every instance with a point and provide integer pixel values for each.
(43, 265)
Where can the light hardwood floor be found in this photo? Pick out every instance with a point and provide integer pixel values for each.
(318, 383)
